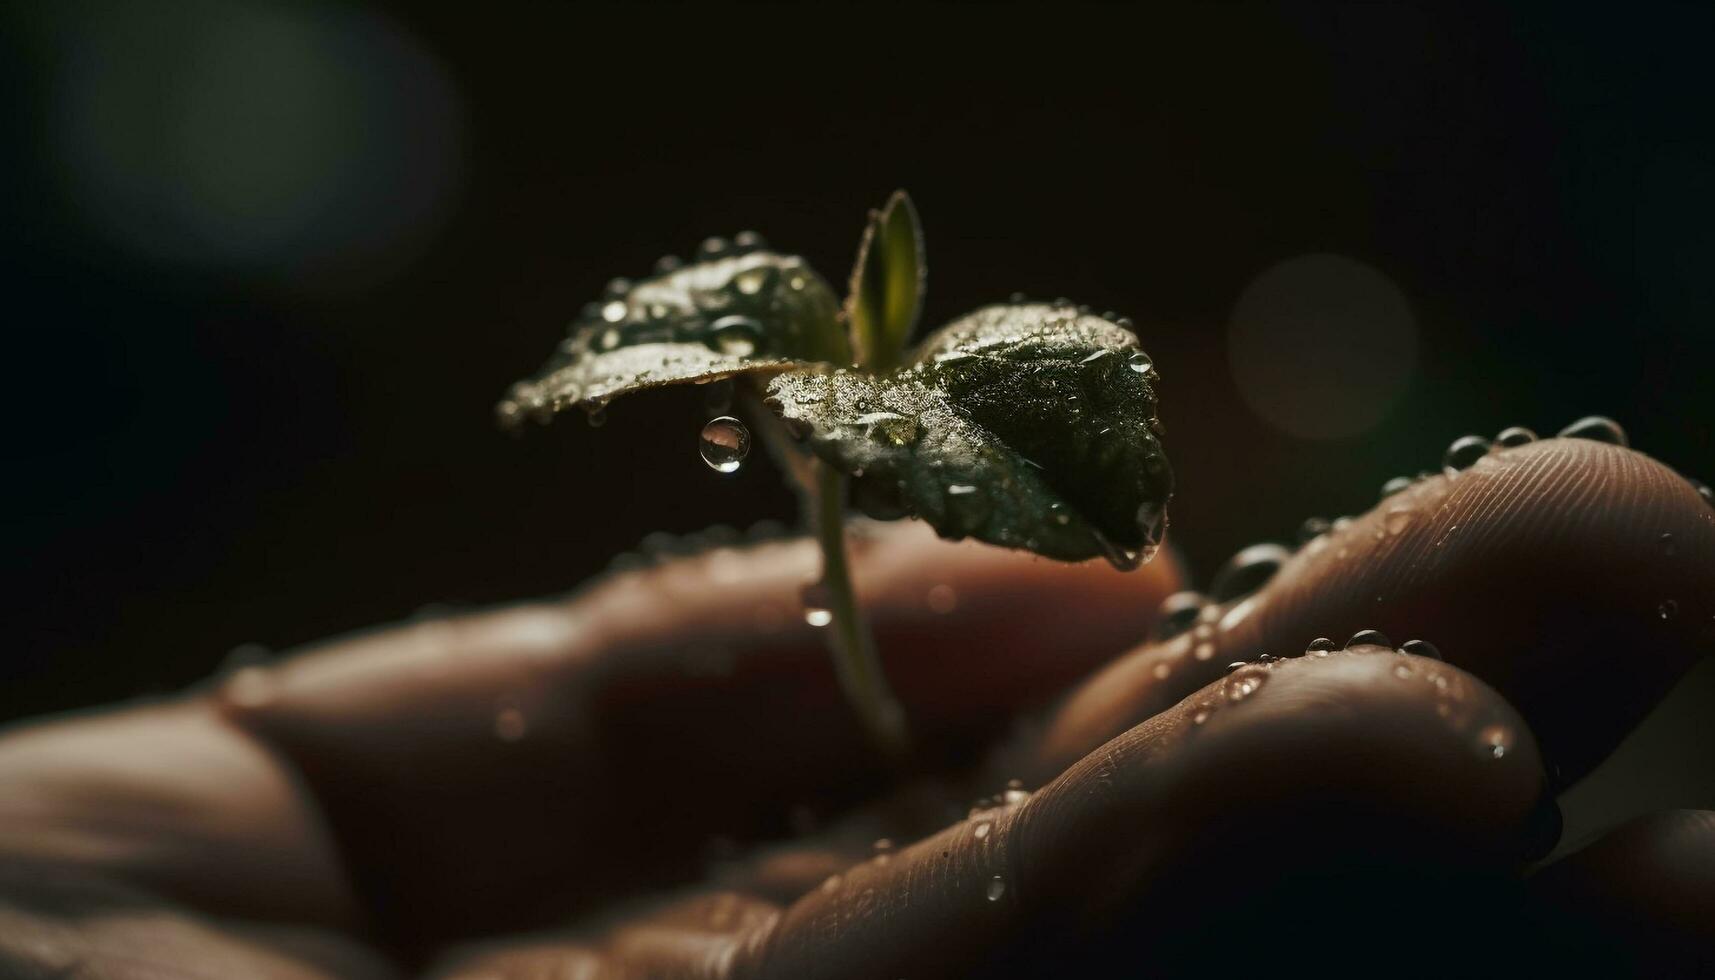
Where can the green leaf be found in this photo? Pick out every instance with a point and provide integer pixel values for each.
(1026, 425)
(738, 311)
(887, 284)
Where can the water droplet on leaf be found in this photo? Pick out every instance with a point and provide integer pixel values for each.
(1516, 435)
(1596, 427)
(1464, 453)
(1366, 638)
(1421, 648)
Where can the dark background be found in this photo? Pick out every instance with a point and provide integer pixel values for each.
(268, 265)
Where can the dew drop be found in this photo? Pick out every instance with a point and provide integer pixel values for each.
(1319, 646)
(1402, 671)
(1177, 614)
(981, 830)
(1397, 519)
(1365, 638)
(1667, 610)
(749, 240)
(1200, 714)
(1703, 491)
(1464, 453)
(724, 444)
(1140, 362)
(1247, 571)
(736, 336)
(996, 888)
(1340, 524)
(818, 617)
(1596, 427)
(1395, 485)
(752, 280)
(1665, 542)
(1235, 666)
(831, 884)
(712, 247)
(1013, 797)
(608, 340)
(960, 489)
(614, 312)
(1421, 648)
(1516, 435)
(882, 845)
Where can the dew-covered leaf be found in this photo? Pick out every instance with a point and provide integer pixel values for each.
(1026, 425)
(887, 284)
(738, 310)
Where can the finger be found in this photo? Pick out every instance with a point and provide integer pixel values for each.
(1575, 576)
(577, 748)
(1320, 766)
(1640, 901)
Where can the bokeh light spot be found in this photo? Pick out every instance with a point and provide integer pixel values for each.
(1322, 346)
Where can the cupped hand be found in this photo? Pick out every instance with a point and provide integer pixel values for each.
(658, 777)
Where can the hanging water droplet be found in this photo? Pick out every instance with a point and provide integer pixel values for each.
(1369, 638)
(1395, 485)
(1464, 453)
(1516, 435)
(1398, 519)
(817, 600)
(1665, 542)
(724, 443)
(818, 617)
(737, 336)
(1319, 646)
(1140, 362)
(1247, 571)
(1421, 648)
(1596, 427)
(1668, 609)
(996, 888)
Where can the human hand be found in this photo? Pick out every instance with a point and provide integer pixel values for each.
(606, 786)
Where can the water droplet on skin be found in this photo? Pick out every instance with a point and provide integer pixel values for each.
(1516, 435)
(996, 888)
(1311, 529)
(724, 443)
(1495, 741)
(1140, 362)
(510, 724)
(1397, 519)
(1668, 609)
(614, 312)
(1319, 646)
(1395, 485)
(1665, 542)
(1421, 648)
(1364, 638)
(1243, 683)
(1464, 453)
(981, 830)
(942, 599)
(1598, 428)
(1177, 614)
(1247, 571)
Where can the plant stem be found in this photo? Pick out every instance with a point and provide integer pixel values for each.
(855, 660)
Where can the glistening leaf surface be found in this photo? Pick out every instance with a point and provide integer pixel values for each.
(753, 311)
(1025, 425)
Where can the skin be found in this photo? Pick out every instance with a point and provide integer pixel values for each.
(657, 777)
